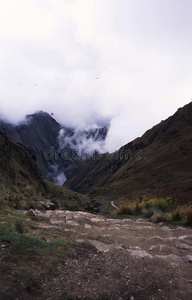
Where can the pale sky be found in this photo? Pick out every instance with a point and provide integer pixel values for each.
(84, 60)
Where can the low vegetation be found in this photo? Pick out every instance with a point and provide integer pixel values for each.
(26, 196)
(187, 215)
(31, 255)
(158, 210)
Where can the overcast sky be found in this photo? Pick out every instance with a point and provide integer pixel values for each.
(84, 60)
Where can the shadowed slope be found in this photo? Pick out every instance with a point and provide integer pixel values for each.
(156, 164)
(59, 150)
(17, 164)
(22, 185)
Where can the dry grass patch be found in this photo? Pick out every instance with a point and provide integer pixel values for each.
(136, 208)
(176, 214)
(124, 210)
(133, 208)
(187, 215)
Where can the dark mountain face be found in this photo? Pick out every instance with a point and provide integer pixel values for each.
(58, 150)
(23, 187)
(37, 133)
(17, 165)
(157, 164)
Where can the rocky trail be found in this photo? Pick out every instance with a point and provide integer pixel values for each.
(122, 258)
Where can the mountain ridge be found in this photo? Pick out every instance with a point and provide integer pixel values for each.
(54, 144)
(162, 167)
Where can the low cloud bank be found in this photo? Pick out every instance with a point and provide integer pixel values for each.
(75, 146)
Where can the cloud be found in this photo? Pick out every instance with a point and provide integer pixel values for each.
(58, 177)
(83, 143)
(127, 61)
(75, 146)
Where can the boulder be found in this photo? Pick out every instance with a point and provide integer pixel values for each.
(31, 212)
(182, 246)
(188, 258)
(48, 205)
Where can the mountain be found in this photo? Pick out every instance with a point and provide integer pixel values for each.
(154, 165)
(22, 185)
(59, 150)
(17, 164)
(18, 172)
(37, 133)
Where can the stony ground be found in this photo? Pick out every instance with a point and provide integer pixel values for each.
(121, 259)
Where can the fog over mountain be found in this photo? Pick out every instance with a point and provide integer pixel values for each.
(58, 150)
(125, 61)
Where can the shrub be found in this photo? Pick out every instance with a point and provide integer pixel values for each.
(176, 214)
(124, 210)
(158, 202)
(56, 202)
(168, 217)
(187, 215)
(136, 208)
(149, 211)
(132, 209)
(158, 217)
(162, 203)
(72, 207)
(170, 201)
(146, 212)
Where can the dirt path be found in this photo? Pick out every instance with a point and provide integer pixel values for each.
(130, 259)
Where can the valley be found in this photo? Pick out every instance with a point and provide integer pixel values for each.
(120, 226)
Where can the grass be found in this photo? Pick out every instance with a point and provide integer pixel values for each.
(177, 214)
(149, 211)
(28, 245)
(27, 282)
(20, 227)
(124, 210)
(187, 215)
(158, 202)
(136, 208)
(158, 210)
(133, 208)
(23, 195)
(36, 258)
(158, 217)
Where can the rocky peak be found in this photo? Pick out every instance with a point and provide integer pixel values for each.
(59, 150)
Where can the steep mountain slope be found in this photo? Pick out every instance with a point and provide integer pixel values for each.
(157, 164)
(22, 185)
(18, 169)
(38, 133)
(58, 150)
